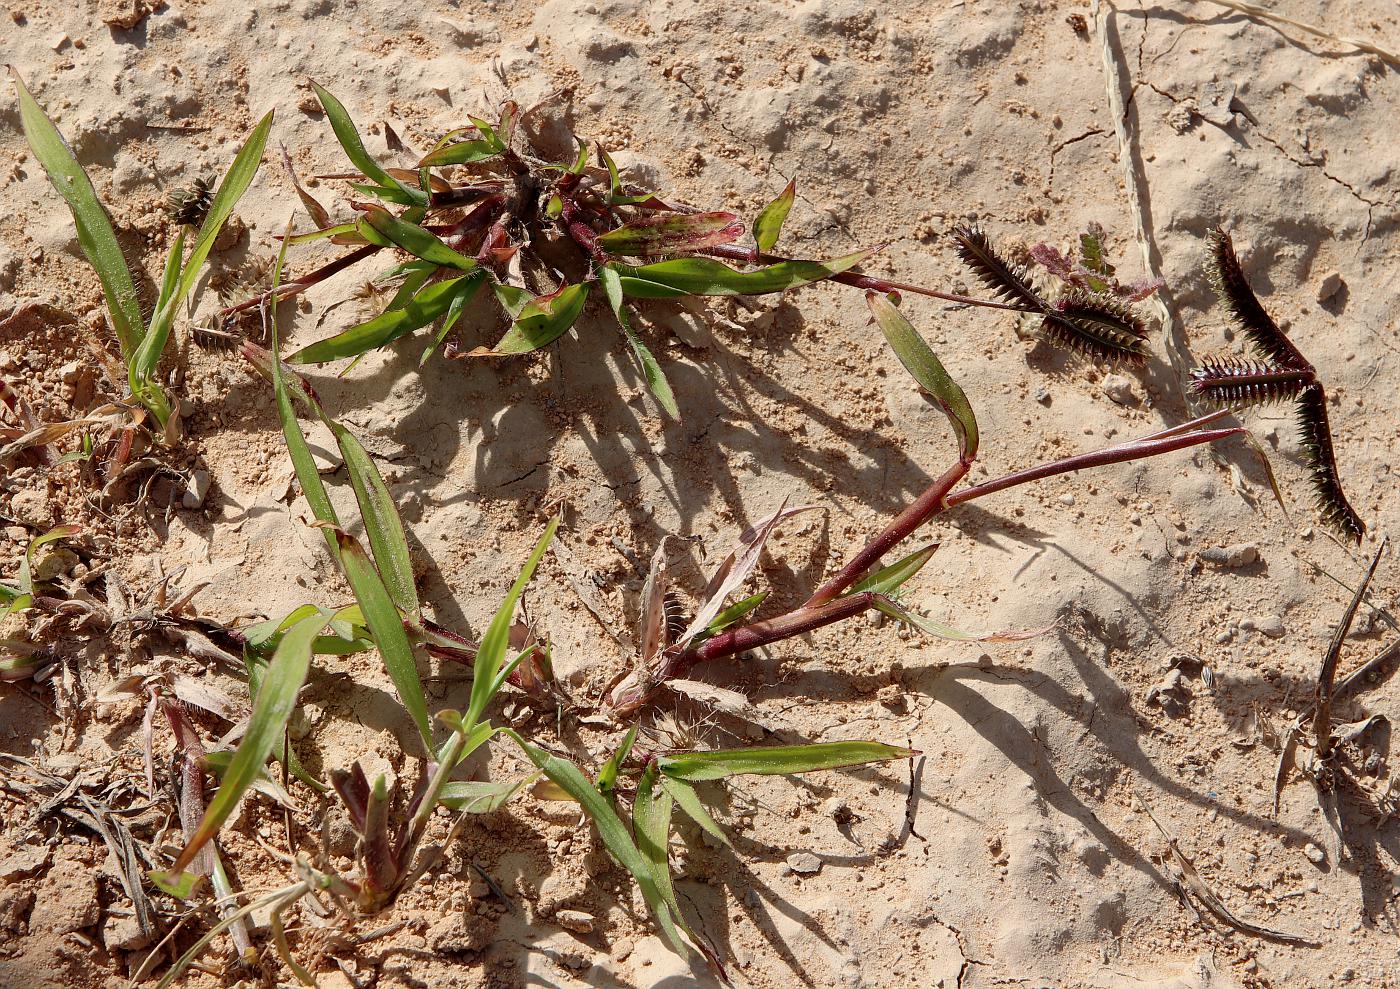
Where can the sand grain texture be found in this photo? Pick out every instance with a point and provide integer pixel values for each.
(1032, 862)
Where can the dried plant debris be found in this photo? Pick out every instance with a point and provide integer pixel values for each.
(251, 281)
(1189, 880)
(1278, 373)
(1099, 324)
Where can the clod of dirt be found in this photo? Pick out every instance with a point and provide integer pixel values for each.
(1330, 285)
(460, 934)
(1235, 555)
(1170, 693)
(68, 902)
(22, 862)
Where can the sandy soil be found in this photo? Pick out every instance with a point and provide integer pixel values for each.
(1032, 860)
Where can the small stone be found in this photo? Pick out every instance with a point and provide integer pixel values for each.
(70, 372)
(689, 328)
(575, 920)
(804, 863)
(60, 42)
(1330, 285)
(1042, 395)
(1234, 555)
(15, 904)
(1067, 500)
(124, 934)
(623, 948)
(1270, 625)
(197, 490)
(24, 861)
(1120, 389)
(1315, 855)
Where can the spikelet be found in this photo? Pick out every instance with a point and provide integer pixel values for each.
(1329, 499)
(1230, 380)
(1244, 307)
(676, 620)
(189, 205)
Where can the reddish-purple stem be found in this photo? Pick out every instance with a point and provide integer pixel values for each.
(826, 607)
(288, 289)
(869, 282)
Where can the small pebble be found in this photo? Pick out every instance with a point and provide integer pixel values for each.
(1067, 500)
(1120, 389)
(575, 920)
(1270, 625)
(1315, 855)
(804, 863)
(1330, 285)
(1235, 555)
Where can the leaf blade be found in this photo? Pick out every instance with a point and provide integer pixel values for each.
(925, 367)
(96, 236)
(778, 760)
(769, 223)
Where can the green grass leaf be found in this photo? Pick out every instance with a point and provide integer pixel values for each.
(607, 776)
(689, 801)
(769, 223)
(26, 563)
(460, 153)
(651, 824)
(889, 579)
(414, 239)
(616, 196)
(672, 233)
(430, 303)
(303, 464)
(277, 698)
(145, 362)
(487, 672)
(231, 189)
(656, 381)
(170, 280)
(349, 137)
(482, 798)
(383, 526)
(386, 628)
(611, 830)
(463, 297)
(95, 234)
(543, 319)
(921, 362)
(781, 760)
(735, 613)
(703, 276)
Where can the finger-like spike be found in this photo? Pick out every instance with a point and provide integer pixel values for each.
(1101, 327)
(1006, 280)
(1232, 381)
(1244, 307)
(1322, 464)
